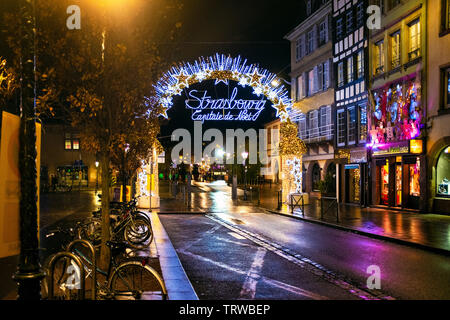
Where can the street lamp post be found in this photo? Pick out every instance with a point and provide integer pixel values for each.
(245, 156)
(96, 180)
(29, 273)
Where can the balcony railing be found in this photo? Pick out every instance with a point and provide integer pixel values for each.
(317, 134)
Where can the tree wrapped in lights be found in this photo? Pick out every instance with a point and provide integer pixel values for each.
(291, 149)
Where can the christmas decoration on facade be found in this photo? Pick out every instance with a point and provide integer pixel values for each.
(396, 114)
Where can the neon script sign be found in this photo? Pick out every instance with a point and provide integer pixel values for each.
(207, 109)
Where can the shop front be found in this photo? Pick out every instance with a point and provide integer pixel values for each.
(441, 201)
(356, 177)
(398, 175)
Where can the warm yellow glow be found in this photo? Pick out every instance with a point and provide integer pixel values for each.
(416, 146)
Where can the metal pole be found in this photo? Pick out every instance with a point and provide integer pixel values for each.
(29, 273)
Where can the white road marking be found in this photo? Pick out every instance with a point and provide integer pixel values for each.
(301, 261)
(249, 287)
(235, 235)
(278, 284)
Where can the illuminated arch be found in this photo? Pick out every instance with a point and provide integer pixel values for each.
(223, 69)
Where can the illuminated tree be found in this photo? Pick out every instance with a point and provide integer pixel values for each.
(99, 77)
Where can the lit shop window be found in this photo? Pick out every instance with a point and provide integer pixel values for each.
(443, 173)
(414, 181)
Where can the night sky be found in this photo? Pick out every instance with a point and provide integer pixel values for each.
(253, 29)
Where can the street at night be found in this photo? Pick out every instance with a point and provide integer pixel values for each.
(225, 159)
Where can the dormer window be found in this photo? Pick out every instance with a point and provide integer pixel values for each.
(308, 7)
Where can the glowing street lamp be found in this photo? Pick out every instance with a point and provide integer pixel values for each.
(245, 156)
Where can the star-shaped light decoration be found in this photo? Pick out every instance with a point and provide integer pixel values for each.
(182, 79)
(255, 78)
(225, 81)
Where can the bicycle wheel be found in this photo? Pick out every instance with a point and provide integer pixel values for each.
(134, 281)
(91, 231)
(64, 287)
(138, 234)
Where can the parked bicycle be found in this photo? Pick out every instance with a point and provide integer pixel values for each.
(127, 224)
(126, 278)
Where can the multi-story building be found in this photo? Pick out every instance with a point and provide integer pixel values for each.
(350, 52)
(438, 105)
(397, 113)
(313, 92)
(62, 158)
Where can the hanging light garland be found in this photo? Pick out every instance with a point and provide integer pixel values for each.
(223, 69)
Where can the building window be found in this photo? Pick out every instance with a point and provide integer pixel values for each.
(363, 124)
(68, 144)
(339, 30)
(445, 88)
(310, 42)
(325, 122)
(303, 128)
(300, 93)
(326, 75)
(393, 3)
(448, 87)
(360, 64)
(349, 19)
(395, 50)
(340, 74)
(414, 40)
(311, 83)
(314, 124)
(350, 70)
(320, 77)
(71, 141)
(351, 125)
(341, 128)
(445, 15)
(308, 7)
(360, 14)
(379, 57)
(443, 173)
(299, 48)
(323, 33)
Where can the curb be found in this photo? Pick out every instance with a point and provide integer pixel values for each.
(364, 233)
(178, 285)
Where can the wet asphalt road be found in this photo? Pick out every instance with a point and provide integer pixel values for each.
(218, 263)
(222, 264)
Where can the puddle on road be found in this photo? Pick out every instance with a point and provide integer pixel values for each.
(237, 221)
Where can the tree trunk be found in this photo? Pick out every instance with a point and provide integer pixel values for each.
(124, 180)
(105, 253)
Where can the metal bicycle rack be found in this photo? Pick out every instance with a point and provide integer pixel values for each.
(52, 265)
(88, 245)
